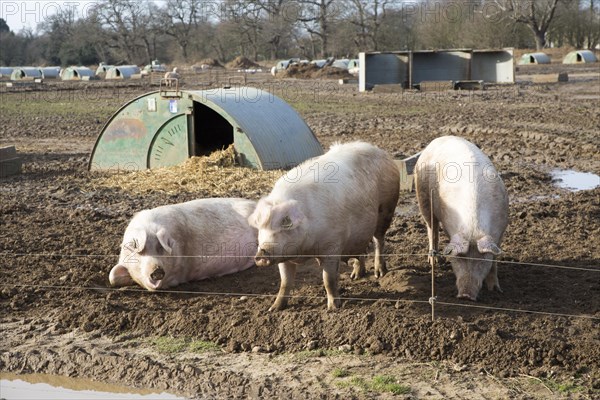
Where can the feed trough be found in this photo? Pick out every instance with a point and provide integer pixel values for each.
(164, 128)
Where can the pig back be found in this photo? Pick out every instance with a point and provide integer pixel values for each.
(207, 224)
(469, 196)
(343, 191)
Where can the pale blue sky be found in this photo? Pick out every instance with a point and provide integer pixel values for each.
(20, 14)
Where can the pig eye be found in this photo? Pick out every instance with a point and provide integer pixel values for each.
(286, 222)
(132, 245)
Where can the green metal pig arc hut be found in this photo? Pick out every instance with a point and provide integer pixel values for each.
(164, 128)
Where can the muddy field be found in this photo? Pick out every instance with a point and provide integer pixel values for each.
(61, 228)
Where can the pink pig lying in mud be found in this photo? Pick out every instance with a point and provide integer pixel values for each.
(470, 201)
(328, 208)
(178, 243)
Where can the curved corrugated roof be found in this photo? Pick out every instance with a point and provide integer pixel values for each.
(267, 132)
(25, 73)
(51, 72)
(276, 131)
(76, 73)
(580, 56)
(4, 71)
(122, 72)
(534, 58)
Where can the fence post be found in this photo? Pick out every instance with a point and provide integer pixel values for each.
(433, 255)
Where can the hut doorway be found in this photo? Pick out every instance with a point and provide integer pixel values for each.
(211, 130)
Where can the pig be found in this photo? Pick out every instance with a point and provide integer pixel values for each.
(328, 208)
(169, 245)
(470, 201)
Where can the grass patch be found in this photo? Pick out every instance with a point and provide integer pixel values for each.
(306, 354)
(561, 387)
(201, 346)
(340, 373)
(171, 345)
(379, 384)
(98, 103)
(386, 383)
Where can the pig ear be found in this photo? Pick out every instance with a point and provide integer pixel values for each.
(486, 245)
(261, 214)
(291, 215)
(165, 240)
(119, 276)
(456, 247)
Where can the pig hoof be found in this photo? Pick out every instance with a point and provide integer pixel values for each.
(277, 306)
(380, 271)
(333, 306)
(466, 297)
(357, 271)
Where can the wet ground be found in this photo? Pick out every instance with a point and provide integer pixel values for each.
(61, 229)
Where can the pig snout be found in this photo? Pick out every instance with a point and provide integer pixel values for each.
(262, 258)
(467, 296)
(158, 274)
(468, 290)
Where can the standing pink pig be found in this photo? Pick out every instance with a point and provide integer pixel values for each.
(328, 208)
(178, 243)
(470, 200)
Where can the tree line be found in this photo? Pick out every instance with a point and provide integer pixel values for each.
(187, 31)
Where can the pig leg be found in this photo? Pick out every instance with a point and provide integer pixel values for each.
(379, 263)
(287, 271)
(330, 281)
(358, 267)
(491, 280)
(384, 221)
(433, 234)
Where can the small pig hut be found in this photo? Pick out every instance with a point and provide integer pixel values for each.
(102, 69)
(77, 74)
(164, 128)
(534, 58)
(50, 72)
(26, 74)
(580, 57)
(123, 72)
(5, 72)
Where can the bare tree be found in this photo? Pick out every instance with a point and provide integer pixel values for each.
(129, 27)
(180, 21)
(368, 16)
(535, 14)
(317, 16)
(279, 23)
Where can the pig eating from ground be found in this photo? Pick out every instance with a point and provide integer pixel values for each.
(470, 201)
(178, 243)
(328, 208)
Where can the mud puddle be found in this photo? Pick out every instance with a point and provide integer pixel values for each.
(575, 180)
(45, 386)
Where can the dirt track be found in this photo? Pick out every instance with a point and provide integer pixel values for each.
(61, 229)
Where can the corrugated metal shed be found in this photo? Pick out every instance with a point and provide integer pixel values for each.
(410, 68)
(580, 57)
(440, 65)
(165, 128)
(383, 69)
(26, 73)
(50, 72)
(534, 58)
(123, 72)
(493, 66)
(74, 73)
